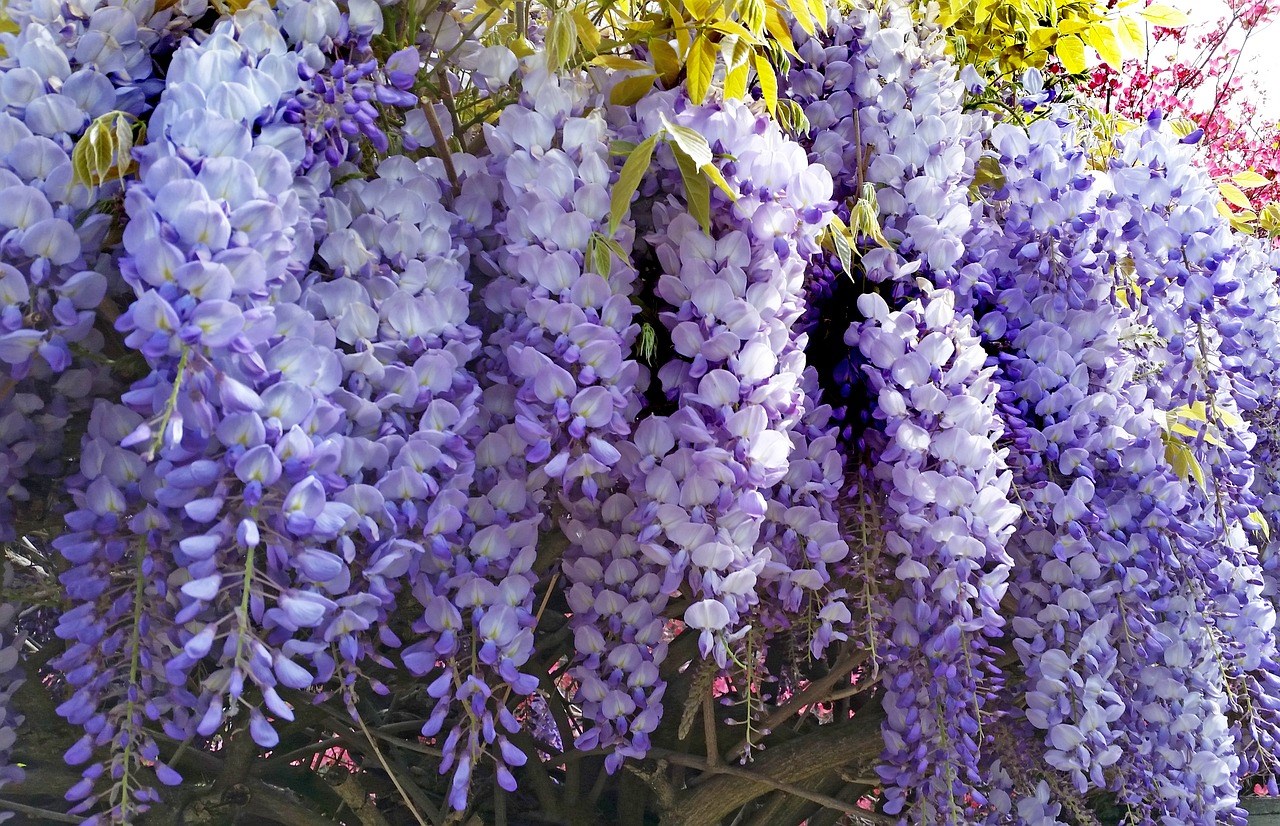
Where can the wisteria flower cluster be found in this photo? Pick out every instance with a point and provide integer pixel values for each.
(432, 399)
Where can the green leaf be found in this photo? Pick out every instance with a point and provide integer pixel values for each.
(629, 178)
(123, 145)
(689, 141)
(1071, 53)
(988, 172)
(768, 80)
(104, 147)
(841, 240)
(598, 255)
(696, 187)
(1249, 179)
(1158, 14)
(1260, 523)
(562, 39)
(700, 66)
(1232, 195)
(629, 90)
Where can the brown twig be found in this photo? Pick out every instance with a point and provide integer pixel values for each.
(43, 814)
(442, 144)
(395, 779)
(800, 762)
(773, 782)
(709, 730)
(814, 692)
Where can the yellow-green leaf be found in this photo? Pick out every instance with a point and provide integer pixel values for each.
(680, 27)
(1234, 196)
(701, 65)
(1270, 218)
(1230, 419)
(598, 255)
(621, 64)
(781, 32)
(819, 10)
(562, 39)
(629, 178)
(713, 172)
(1042, 38)
(768, 80)
(104, 148)
(123, 146)
(696, 188)
(1192, 412)
(689, 141)
(1249, 179)
(665, 60)
(698, 9)
(1182, 126)
(987, 172)
(751, 12)
(588, 34)
(629, 90)
(735, 50)
(800, 8)
(735, 83)
(1260, 523)
(950, 12)
(1071, 53)
(1182, 460)
(1129, 33)
(1158, 14)
(838, 231)
(1104, 40)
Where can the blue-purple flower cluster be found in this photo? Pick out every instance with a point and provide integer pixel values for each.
(946, 493)
(1127, 656)
(11, 679)
(64, 67)
(416, 389)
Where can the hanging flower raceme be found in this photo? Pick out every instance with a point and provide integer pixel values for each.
(1105, 624)
(120, 628)
(948, 518)
(65, 70)
(1257, 372)
(883, 105)
(728, 302)
(1197, 305)
(51, 283)
(11, 679)
(242, 452)
(563, 302)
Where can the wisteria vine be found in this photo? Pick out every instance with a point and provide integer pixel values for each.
(385, 371)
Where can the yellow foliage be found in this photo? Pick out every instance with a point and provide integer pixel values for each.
(1005, 37)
